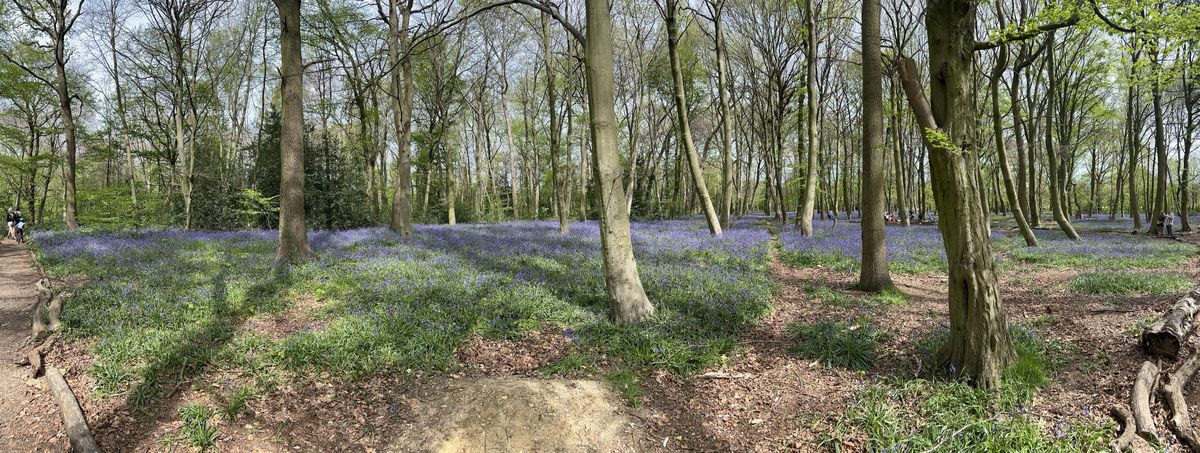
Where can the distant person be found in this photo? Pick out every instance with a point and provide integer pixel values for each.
(11, 219)
(1170, 224)
(1160, 223)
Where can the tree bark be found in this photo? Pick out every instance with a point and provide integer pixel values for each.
(293, 236)
(627, 299)
(1002, 156)
(401, 87)
(1057, 185)
(670, 9)
(560, 206)
(810, 79)
(980, 345)
(873, 274)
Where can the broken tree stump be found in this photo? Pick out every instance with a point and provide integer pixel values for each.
(1172, 391)
(1142, 389)
(40, 331)
(1171, 331)
(77, 429)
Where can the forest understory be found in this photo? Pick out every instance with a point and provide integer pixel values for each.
(799, 362)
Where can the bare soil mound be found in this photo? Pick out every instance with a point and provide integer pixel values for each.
(520, 414)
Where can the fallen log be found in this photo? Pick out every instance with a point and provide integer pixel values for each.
(1171, 331)
(1180, 422)
(77, 429)
(1142, 389)
(1126, 428)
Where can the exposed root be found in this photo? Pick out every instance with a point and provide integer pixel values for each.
(1125, 429)
(1172, 390)
(1142, 390)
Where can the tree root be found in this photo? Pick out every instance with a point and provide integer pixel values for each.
(1142, 390)
(1172, 390)
(1126, 428)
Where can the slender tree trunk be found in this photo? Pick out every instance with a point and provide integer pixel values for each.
(293, 236)
(560, 197)
(1160, 148)
(873, 275)
(1057, 186)
(1002, 156)
(810, 79)
(685, 128)
(727, 167)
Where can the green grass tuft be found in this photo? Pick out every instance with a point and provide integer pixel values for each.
(1129, 283)
(628, 385)
(835, 343)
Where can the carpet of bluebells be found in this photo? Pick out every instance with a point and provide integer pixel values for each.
(918, 249)
(160, 303)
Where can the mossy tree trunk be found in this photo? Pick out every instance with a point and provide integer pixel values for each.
(980, 346)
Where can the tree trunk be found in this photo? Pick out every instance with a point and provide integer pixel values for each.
(1057, 185)
(1160, 148)
(560, 206)
(810, 79)
(727, 168)
(1002, 156)
(293, 236)
(685, 128)
(627, 299)
(980, 345)
(873, 275)
(401, 84)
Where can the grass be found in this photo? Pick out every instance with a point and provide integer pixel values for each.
(196, 430)
(570, 365)
(387, 304)
(627, 384)
(1130, 283)
(945, 414)
(836, 343)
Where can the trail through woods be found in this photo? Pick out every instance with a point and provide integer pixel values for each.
(29, 420)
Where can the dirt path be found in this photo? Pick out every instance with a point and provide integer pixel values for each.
(28, 418)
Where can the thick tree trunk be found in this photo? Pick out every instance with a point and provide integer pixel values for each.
(681, 112)
(401, 85)
(1134, 143)
(293, 236)
(627, 299)
(980, 345)
(873, 275)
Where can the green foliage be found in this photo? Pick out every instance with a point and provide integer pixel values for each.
(572, 364)
(836, 343)
(628, 385)
(197, 431)
(236, 403)
(1130, 283)
(944, 414)
(335, 195)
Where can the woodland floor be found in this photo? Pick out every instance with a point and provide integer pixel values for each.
(500, 398)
